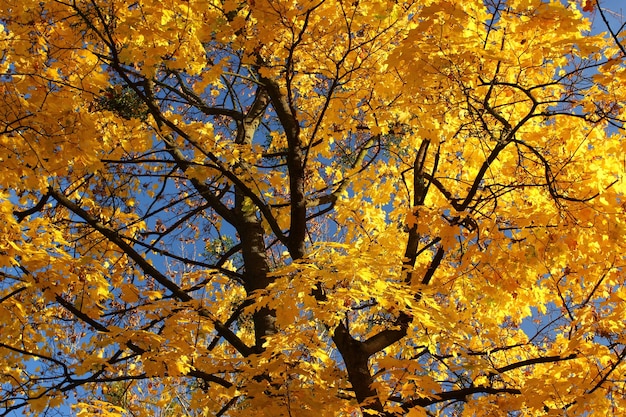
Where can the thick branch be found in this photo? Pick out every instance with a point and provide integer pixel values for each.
(295, 167)
(533, 361)
(383, 339)
(356, 360)
(21, 215)
(250, 228)
(420, 188)
(456, 395)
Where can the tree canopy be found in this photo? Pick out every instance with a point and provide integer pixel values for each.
(312, 208)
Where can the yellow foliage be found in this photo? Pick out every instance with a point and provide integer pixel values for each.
(312, 208)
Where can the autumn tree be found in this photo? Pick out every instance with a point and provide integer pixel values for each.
(311, 208)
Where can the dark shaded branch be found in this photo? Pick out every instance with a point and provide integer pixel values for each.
(191, 97)
(533, 361)
(113, 236)
(420, 189)
(250, 227)
(231, 274)
(480, 175)
(201, 188)
(101, 328)
(227, 406)
(434, 264)
(12, 293)
(36, 355)
(614, 365)
(382, 340)
(610, 29)
(21, 215)
(551, 178)
(295, 166)
(80, 315)
(356, 358)
(146, 266)
(456, 395)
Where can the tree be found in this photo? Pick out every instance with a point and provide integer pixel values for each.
(317, 207)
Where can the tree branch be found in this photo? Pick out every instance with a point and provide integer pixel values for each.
(144, 265)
